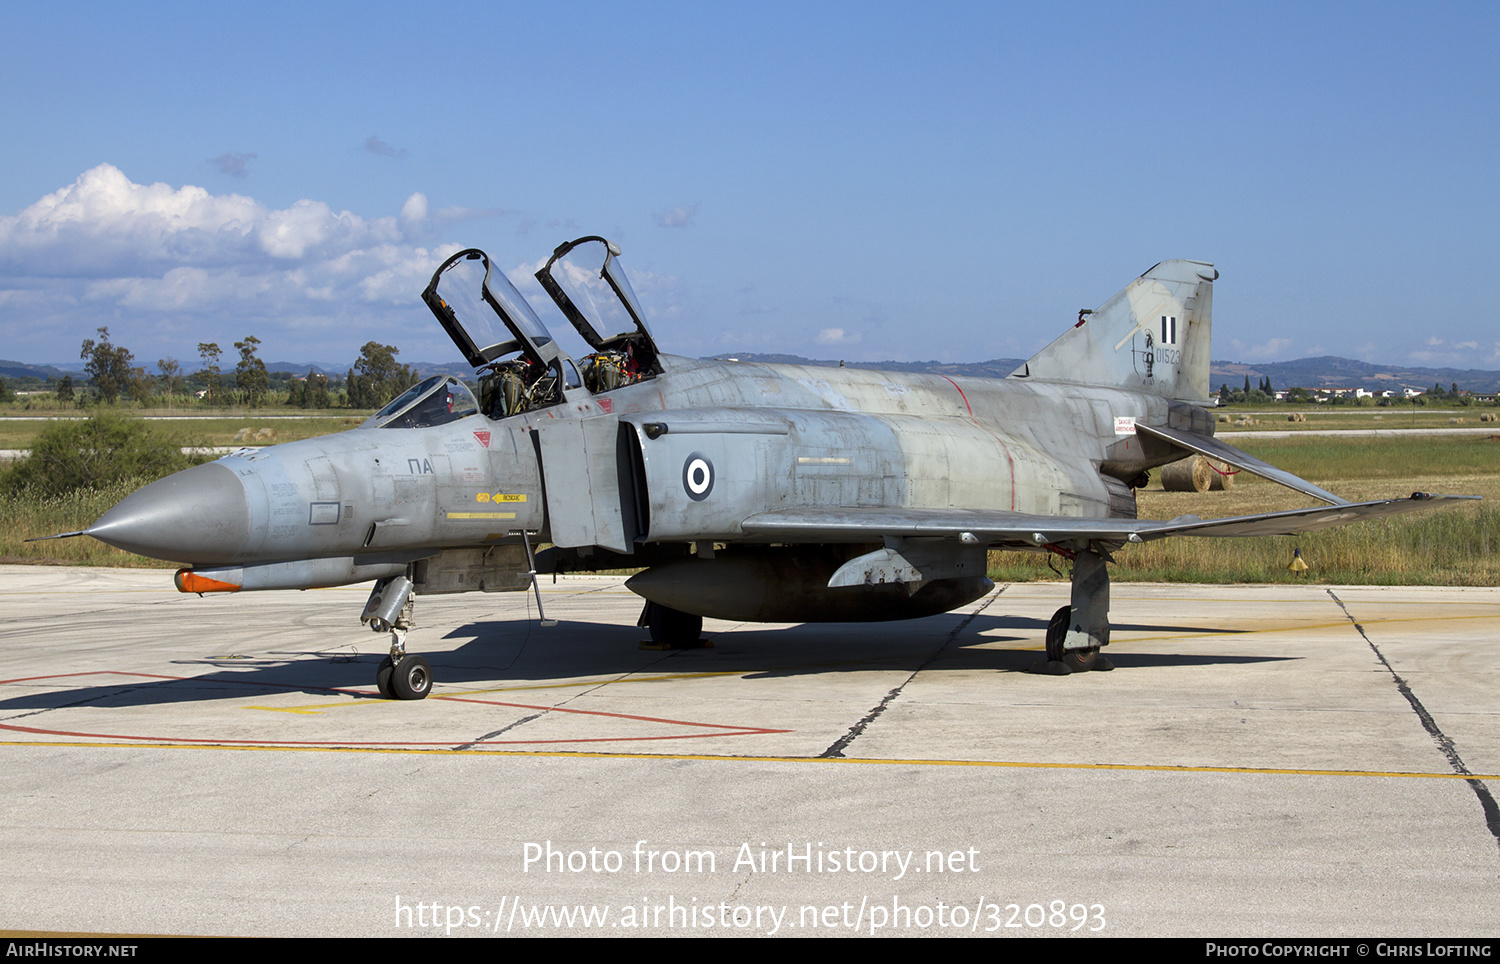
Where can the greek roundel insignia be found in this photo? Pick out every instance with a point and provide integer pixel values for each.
(697, 476)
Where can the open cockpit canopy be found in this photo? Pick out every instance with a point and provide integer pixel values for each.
(483, 312)
(586, 280)
(521, 366)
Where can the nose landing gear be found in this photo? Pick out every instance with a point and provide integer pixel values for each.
(390, 609)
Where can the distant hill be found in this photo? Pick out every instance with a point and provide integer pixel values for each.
(1331, 371)
(296, 368)
(15, 369)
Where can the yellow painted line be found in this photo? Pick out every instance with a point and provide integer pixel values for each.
(727, 758)
(304, 710)
(481, 515)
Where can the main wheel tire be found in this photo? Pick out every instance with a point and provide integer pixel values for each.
(674, 628)
(383, 678)
(412, 678)
(1077, 660)
(1081, 660)
(1057, 631)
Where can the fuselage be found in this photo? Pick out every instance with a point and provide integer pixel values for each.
(776, 436)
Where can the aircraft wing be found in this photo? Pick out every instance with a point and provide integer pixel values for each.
(997, 528)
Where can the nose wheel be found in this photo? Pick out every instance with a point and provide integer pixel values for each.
(399, 676)
(406, 678)
(383, 678)
(410, 679)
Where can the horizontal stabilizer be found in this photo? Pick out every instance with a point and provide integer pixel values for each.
(1215, 449)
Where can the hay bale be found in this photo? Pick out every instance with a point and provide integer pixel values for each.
(1196, 474)
(1221, 476)
(242, 436)
(266, 435)
(1191, 474)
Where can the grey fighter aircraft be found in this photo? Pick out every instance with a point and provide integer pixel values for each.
(741, 491)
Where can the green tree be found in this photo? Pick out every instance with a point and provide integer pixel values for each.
(142, 386)
(377, 377)
(65, 388)
(250, 374)
(316, 395)
(171, 375)
(208, 377)
(107, 364)
(100, 450)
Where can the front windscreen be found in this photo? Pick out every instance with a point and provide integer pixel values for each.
(433, 401)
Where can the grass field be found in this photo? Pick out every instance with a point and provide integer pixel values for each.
(17, 433)
(1456, 545)
(1447, 546)
(1342, 417)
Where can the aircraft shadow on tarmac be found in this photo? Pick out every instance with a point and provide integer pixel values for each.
(518, 652)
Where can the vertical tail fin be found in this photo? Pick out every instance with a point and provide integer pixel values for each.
(1151, 337)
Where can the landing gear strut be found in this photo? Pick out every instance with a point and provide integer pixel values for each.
(671, 628)
(399, 676)
(1075, 633)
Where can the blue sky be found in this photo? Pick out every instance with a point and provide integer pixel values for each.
(864, 181)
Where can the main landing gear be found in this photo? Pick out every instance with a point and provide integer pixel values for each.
(399, 676)
(671, 628)
(1077, 632)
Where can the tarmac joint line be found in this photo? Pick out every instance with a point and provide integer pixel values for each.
(836, 750)
(1444, 743)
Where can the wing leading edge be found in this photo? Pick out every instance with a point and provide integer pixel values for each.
(1015, 530)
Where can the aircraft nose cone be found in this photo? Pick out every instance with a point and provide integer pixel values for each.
(199, 515)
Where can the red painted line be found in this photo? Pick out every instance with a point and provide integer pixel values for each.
(201, 741)
(721, 729)
(623, 716)
(962, 396)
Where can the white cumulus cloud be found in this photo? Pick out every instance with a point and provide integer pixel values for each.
(106, 250)
(837, 336)
(680, 216)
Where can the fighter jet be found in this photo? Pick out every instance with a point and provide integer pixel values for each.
(741, 491)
